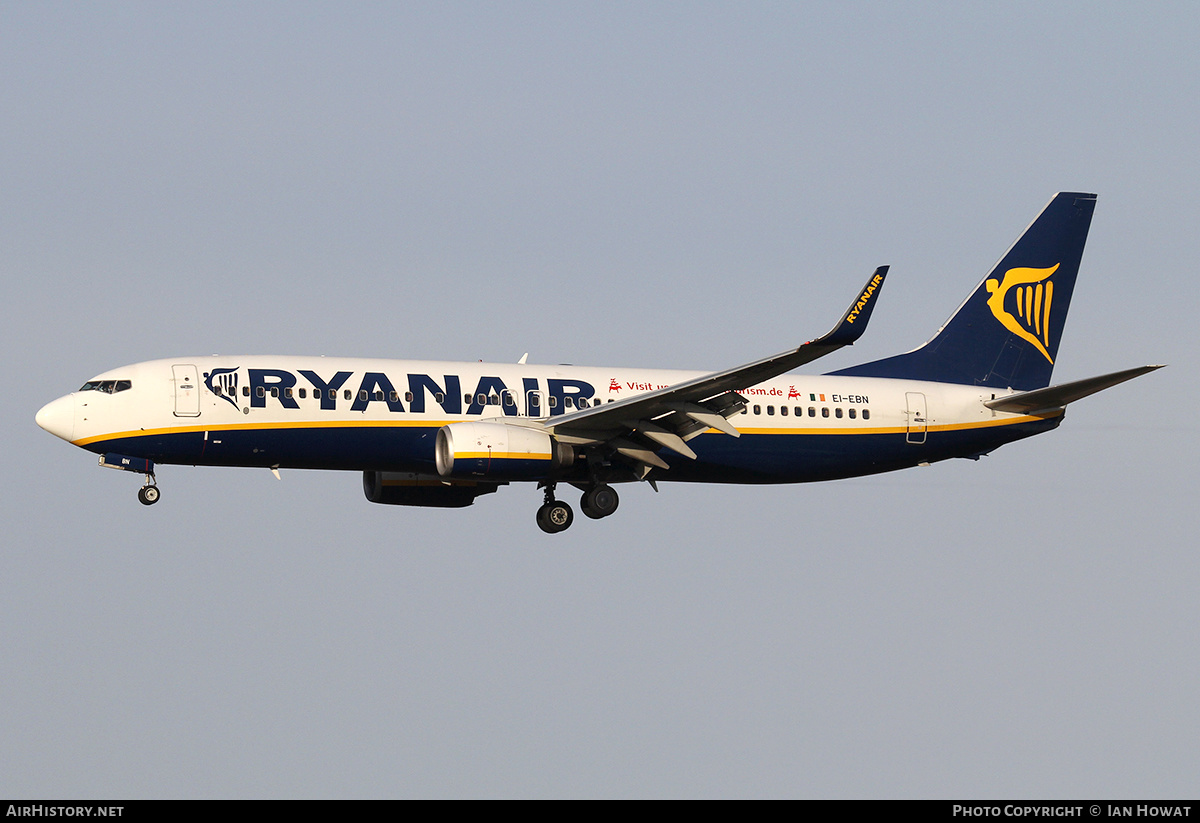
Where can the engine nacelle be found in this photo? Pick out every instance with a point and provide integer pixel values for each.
(408, 489)
(498, 451)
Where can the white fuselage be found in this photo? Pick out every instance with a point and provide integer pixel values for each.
(343, 413)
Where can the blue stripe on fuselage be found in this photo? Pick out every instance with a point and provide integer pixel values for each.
(752, 458)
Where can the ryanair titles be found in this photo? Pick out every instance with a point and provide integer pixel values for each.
(864, 298)
(248, 389)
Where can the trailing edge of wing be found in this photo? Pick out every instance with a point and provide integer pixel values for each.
(637, 427)
(655, 403)
(1055, 397)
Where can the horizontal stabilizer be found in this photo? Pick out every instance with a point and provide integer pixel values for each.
(1054, 397)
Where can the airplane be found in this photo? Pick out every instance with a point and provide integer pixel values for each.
(441, 434)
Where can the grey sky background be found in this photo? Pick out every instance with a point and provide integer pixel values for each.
(679, 185)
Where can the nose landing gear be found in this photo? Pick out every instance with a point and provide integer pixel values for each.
(149, 494)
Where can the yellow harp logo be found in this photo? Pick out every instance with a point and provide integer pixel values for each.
(1034, 292)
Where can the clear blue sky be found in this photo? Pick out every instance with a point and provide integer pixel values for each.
(681, 185)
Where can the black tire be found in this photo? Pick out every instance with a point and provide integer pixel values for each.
(599, 501)
(555, 517)
(542, 521)
(149, 495)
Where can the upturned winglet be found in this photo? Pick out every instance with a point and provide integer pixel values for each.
(854, 321)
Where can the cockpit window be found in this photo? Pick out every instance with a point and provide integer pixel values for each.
(107, 386)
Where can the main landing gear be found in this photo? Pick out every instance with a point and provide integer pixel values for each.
(599, 501)
(555, 516)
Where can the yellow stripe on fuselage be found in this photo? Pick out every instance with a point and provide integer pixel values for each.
(500, 456)
(933, 427)
(387, 424)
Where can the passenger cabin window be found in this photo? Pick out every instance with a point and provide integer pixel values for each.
(866, 414)
(852, 414)
(837, 413)
(347, 395)
(770, 411)
(825, 411)
(245, 391)
(303, 393)
(783, 411)
(437, 396)
(758, 409)
(408, 397)
(812, 411)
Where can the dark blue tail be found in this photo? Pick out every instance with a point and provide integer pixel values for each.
(1007, 332)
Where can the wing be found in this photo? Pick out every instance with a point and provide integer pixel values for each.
(637, 427)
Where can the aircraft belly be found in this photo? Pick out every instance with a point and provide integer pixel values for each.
(752, 458)
(355, 448)
(803, 458)
(789, 458)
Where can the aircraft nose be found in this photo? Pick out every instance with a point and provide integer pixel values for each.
(58, 417)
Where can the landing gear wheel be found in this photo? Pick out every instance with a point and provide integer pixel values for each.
(554, 517)
(148, 495)
(599, 501)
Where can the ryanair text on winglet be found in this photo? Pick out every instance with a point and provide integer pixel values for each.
(865, 298)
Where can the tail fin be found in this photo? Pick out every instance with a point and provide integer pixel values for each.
(1006, 334)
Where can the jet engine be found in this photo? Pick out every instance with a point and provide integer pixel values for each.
(499, 451)
(409, 489)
